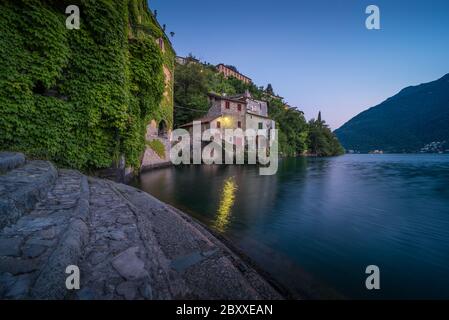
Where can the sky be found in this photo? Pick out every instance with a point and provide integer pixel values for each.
(317, 54)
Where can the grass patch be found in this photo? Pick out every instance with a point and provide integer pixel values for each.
(158, 147)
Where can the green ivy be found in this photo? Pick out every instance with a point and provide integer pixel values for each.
(81, 97)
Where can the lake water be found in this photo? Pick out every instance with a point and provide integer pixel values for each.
(318, 223)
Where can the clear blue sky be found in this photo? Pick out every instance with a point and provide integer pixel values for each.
(317, 54)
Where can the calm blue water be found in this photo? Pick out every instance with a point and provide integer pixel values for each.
(319, 222)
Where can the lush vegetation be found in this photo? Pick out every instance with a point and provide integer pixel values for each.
(81, 97)
(158, 147)
(406, 122)
(321, 140)
(193, 81)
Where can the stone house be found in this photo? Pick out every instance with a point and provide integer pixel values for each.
(233, 112)
(256, 116)
(224, 113)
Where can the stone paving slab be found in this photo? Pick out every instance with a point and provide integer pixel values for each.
(35, 251)
(119, 262)
(22, 188)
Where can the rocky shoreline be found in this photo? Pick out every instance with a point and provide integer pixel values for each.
(126, 243)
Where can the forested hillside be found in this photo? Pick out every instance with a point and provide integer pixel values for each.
(406, 122)
(296, 136)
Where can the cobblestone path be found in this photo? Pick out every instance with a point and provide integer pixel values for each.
(126, 243)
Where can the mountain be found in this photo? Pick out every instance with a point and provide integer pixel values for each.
(406, 122)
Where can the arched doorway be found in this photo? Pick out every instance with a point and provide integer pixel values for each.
(162, 130)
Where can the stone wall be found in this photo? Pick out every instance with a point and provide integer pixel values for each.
(150, 158)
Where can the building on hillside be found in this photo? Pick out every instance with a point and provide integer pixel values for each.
(291, 108)
(224, 113)
(234, 112)
(267, 95)
(186, 60)
(256, 112)
(228, 71)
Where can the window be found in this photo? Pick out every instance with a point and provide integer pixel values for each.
(227, 104)
(260, 125)
(239, 124)
(160, 42)
(239, 107)
(218, 124)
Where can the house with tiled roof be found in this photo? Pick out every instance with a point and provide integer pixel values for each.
(234, 112)
(256, 112)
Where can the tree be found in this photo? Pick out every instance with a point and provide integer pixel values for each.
(321, 141)
(292, 127)
(191, 86)
(193, 82)
(269, 89)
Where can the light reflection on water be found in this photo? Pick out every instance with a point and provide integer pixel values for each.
(226, 203)
(328, 218)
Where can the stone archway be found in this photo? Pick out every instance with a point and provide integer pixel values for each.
(162, 130)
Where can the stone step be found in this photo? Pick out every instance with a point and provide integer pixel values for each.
(22, 188)
(35, 252)
(10, 160)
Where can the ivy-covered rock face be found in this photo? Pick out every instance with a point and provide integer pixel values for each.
(80, 97)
